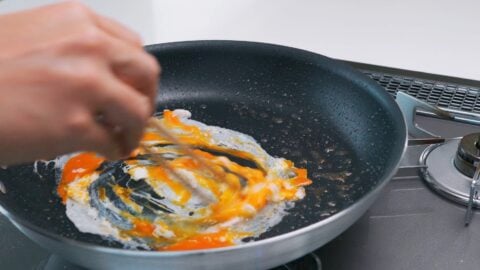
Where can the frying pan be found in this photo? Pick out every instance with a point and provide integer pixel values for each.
(345, 129)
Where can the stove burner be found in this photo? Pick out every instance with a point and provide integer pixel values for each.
(441, 173)
(468, 154)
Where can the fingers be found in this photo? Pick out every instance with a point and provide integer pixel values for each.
(131, 65)
(84, 64)
(130, 90)
(125, 113)
(117, 30)
(118, 81)
(137, 69)
(120, 47)
(86, 133)
(134, 67)
(99, 138)
(125, 82)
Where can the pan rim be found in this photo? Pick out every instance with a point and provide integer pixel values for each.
(383, 180)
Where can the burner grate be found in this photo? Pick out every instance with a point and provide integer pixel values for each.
(454, 97)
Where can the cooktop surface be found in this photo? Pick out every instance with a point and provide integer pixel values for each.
(409, 227)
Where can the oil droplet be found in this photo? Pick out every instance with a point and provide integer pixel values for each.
(332, 204)
(3, 189)
(277, 120)
(325, 214)
(329, 149)
(303, 162)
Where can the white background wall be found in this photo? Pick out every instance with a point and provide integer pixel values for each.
(437, 36)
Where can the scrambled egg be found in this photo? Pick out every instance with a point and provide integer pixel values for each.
(142, 204)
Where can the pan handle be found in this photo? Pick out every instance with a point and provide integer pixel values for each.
(410, 107)
(418, 137)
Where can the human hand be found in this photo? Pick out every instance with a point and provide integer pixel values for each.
(62, 68)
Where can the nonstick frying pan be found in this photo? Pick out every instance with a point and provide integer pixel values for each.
(345, 129)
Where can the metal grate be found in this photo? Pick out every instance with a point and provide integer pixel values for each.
(454, 97)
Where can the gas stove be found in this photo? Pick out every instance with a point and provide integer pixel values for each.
(420, 219)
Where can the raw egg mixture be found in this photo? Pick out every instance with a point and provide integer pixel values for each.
(143, 205)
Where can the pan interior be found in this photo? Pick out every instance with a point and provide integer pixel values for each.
(298, 105)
